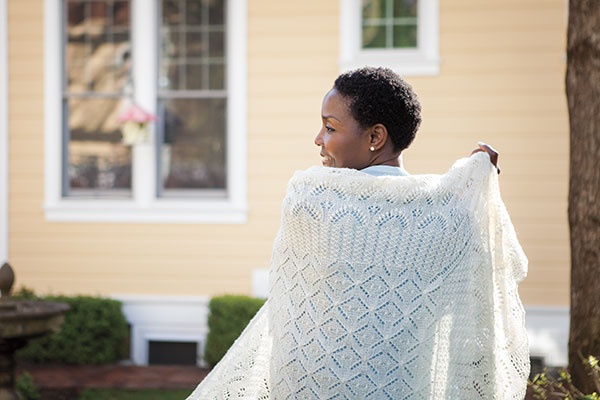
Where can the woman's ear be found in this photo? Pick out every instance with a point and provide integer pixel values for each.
(378, 136)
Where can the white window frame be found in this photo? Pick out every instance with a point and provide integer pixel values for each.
(3, 133)
(423, 61)
(144, 206)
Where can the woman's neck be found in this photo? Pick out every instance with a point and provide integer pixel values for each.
(391, 160)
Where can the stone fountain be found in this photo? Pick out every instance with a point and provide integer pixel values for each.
(19, 322)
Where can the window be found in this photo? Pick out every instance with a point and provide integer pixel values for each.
(180, 60)
(400, 34)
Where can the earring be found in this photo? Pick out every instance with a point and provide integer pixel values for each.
(372, 148)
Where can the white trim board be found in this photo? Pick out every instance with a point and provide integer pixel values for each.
(548, 331)
(3, 132)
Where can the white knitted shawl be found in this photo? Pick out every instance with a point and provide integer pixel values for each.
(387, 288)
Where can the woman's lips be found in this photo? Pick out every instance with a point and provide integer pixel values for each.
(326, 160)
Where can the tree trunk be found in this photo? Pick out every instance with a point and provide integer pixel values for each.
(583, 95)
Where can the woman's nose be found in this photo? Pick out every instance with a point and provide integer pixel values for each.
(319, 138)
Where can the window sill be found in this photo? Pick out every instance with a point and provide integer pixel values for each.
(159, 211)
(403, 64)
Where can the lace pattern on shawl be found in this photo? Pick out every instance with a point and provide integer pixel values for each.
(243, 373)
(392, 288)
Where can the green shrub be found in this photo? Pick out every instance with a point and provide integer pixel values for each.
(228, 317)
(27, 388)
(94, 332)
(24, 293)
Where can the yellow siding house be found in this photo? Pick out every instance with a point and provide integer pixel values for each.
(190, 211)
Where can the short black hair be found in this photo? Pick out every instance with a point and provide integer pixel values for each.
(378, 95)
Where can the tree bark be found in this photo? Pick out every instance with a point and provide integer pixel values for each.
(583, 96)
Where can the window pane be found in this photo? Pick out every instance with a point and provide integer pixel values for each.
(194, 150)
(389, 24)
(195, 75)
(171, 43)
(172, 11)
(170, 73)
(194, 46)
(122, 19)
(97, 10)
(95, 169)
(374, 36)
(405, 36)
(217, 77)
(97, 63)
(373, 9)
(216, 12)
(75, 13)
(405, 8)
(194, 11)
(216, 44)
(97, 160)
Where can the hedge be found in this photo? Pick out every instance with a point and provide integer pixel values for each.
(94, 332)
(228, 317)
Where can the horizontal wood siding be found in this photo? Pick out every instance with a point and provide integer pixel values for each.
(501, 81)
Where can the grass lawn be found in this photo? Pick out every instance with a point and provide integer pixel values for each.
(122, 394)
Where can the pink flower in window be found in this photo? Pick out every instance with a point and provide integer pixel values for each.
(134, 122)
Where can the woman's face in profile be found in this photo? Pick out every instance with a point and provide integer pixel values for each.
(344, 144)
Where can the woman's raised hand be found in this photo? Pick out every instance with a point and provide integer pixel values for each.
(493, 153)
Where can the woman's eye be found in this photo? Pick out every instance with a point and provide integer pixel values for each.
(328, 128)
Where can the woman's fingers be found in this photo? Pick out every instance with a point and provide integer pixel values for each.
(493, 153)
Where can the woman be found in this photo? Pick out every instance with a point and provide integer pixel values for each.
(384, 285)
(356, 113)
